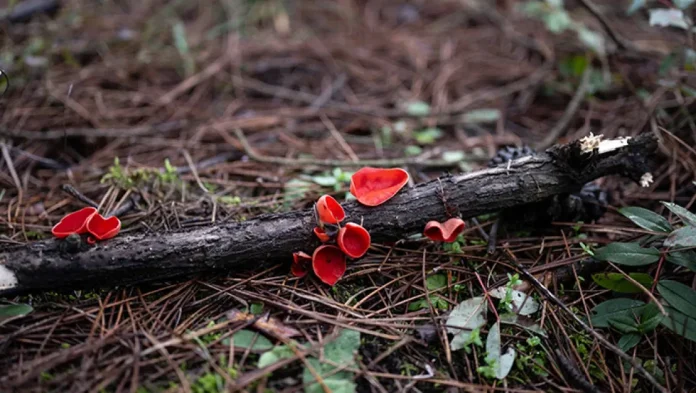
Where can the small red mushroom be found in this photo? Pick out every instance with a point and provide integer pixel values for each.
(103, 228)
(75, 222)
(354, 240)
(444, 232)
(321, 234)
(374, 186)
(329, 210)
(300, 262)
(329, 263)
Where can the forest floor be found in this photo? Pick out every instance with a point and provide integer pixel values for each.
(121, 98)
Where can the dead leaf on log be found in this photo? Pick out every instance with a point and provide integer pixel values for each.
(265, 323)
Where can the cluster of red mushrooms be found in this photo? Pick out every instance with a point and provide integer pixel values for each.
(371, 187)
(87, 220)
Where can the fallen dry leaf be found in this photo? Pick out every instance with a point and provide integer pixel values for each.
(265, 323)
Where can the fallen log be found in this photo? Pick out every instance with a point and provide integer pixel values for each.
(267, 239)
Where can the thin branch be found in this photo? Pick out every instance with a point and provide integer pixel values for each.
(385, 162)
(553, 299)
(569, 113)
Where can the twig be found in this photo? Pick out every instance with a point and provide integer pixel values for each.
(493, 236)
(618, 40)
(574, 374)
(72, 191)
(94, 132)
(385, 162)
(553, 299)
(25, 10)
(11, 168)
(641, 287)
(570, 111)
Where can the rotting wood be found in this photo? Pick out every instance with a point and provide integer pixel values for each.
(271, 238)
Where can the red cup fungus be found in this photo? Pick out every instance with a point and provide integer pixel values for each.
(300, 264)
(374, 186)
(103, 228)
(329, 263)
(321, 234)
(75, 222)
(444, 232)
(354, 240)
(329, 210)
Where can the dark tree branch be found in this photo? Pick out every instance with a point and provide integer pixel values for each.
(268, 239)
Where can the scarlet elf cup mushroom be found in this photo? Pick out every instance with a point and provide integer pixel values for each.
(371, 187)
(444, 232)
(374, 186)
(353, 239)
(87, 220)
(300, 262)
(75, 222)
(329, 263)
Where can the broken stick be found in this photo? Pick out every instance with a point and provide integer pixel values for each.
(272, 238)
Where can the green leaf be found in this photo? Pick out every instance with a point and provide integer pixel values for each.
(420, 304)
(247, 339)
(428, 136)
(610, 308)
(523, 322)
(413, 150)
(628, 341)
(436, 281)
(678, 295)
(465, 317)
(453, 156)
(340, 351)
(324, 180)
(14, 310)
(617, 282)
(683, 258)
(418, 108)
(682, 4)
(682, 237)
(523, 303)
(558, 21)
(481, 116)
(686, 216)
(295, 190)
(679, 323)
(256, 308)
(593, 40)
(667, 18)
(630, 254)
(624, 323)
(635, 6)
(650, 318)
(502, 363)
(646, 219)
(275, 355)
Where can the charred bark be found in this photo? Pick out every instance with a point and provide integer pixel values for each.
(268, 239)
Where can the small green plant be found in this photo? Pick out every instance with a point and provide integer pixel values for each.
(680, 300)
(126, 179)
(337, 178)
(455, 247)
(507, 301)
